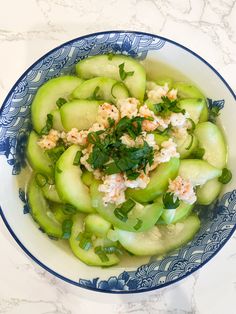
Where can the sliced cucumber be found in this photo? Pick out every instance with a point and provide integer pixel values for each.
(41, 211)
(208, 192)
(97, 225)
(159, 180)
(50, 192)
(103, 88)
(80, 114)
(159, 138)
(212, 140)
(89, 257)
(148, 214)
(186, 90)
(68, 181)
(193, 107)
(159, 240)
(164, 80)
(45, 99)
(56, 118)
(186, 145)
(37, 157)
(58, 211)
(105, 65)
(198, 171)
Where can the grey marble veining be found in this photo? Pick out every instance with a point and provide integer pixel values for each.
(206, 26)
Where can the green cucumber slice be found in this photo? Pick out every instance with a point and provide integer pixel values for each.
(164, 80)
(45, 99)
(186, 90)
(159, 138)
(198, 171)
(148, 214)
(183, 145)
(89, 257)
(80, 114)
(159, 180)
(56, 118)
(212, 140)
(68, 181)
(193, 107)
(50, 192)
(37, 157)
(108, 66)
(58, 211)
(103, 88)
(41, 211)
(208, 192)
(160, 239)
(87, 177)
(97, 225)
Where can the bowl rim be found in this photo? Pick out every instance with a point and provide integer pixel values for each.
(36, 260)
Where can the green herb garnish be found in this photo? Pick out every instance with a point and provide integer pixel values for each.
(101, 254)
(77, 158)
(41, 179)
(66, 228)
(85, 240)
(169, 202)
(138, 224)
(226, 176)
(122, 212)
(213, 114)
(167, 106)
(55, 153)
(60, 102)
(123, 73)
(49, 123)
(69, 209)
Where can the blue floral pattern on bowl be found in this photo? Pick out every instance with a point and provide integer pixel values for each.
(218, 220)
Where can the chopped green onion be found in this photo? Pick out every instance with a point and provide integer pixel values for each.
(60, 102)
(168, 201)
(55, 153)
(85, 240)
(69, 209)
(41, 179)
(191, 142)
(123, 73)
(112, 250)
(193, 125)
(66, 228)
(122, 212)
(77, 158)
(226, 176)
(114, 85)
(49, 122)
(101, 254)
(138, 224)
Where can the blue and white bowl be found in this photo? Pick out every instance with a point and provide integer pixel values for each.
(138, 275)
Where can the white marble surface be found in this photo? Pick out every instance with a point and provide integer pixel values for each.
(28, 29)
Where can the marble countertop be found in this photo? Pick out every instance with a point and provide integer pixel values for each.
(28, 29)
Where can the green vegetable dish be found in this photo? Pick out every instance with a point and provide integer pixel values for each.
(119, 161)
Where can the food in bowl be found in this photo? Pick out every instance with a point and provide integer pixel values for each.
(120, 161)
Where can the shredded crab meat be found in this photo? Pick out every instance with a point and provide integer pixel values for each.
(178, 119)
(106, 111)
(167, 151)
(113, 187)
(148, 125)
(76, 137)
(85, 155)
(157, 92)
(182, 189)
(172, 94)
(50, 140)
(141, 182)
(128, 107)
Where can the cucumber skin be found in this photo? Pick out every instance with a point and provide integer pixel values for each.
(88, 257)
(79, 114)
(211, 138)
(158, 183)
(36, 156)
(198, 171)
(146, 243)
(101, 65)
(56, 118)
(50, 193)
(69, 184)
(149, 214)
(97, 225)
(40, 209)
(194, 106)
(47, 95)
(183, 143)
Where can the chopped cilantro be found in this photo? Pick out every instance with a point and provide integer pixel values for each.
(167, 106)
(123, 73)
(168, 201)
